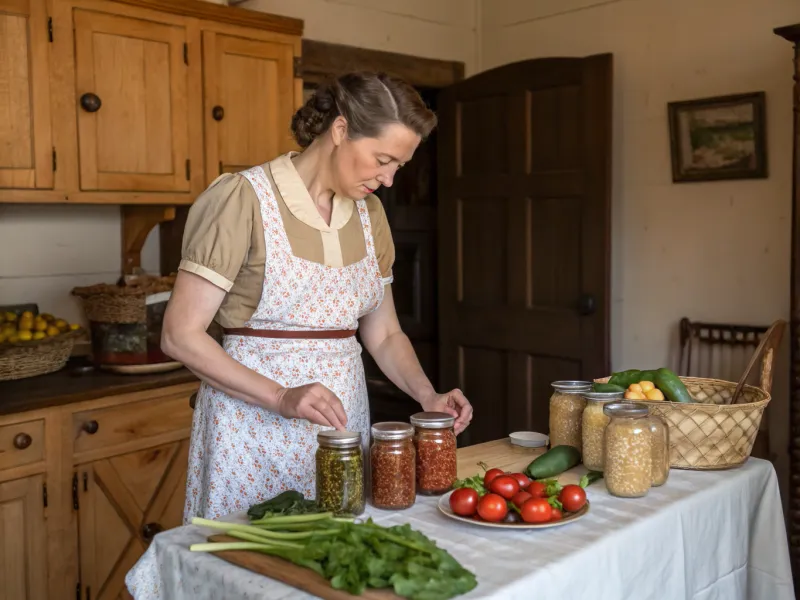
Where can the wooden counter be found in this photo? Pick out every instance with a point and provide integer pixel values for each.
(65, 387)
(501, 454)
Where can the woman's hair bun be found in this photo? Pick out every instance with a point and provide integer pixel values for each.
(314, 117)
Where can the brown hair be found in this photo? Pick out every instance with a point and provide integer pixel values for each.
(369, 102)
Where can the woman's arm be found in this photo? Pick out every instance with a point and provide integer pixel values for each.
(392, 350)
(192, 306)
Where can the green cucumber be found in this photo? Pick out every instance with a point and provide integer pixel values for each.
(673, 388)
(607, 387)
(625, 378)
(553, 462)
(647, 376)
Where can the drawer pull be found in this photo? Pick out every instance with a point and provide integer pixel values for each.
(91, 102)
(149, 531)
(91, 427)
(22, 441)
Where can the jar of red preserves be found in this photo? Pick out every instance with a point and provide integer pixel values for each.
(435, 443)
(393, 466)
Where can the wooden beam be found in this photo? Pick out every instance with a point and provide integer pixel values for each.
(224, 14)
(137, 223)
(322, 61)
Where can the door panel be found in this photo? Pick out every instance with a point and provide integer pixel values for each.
(524, 212)
(25, 131)
(123, 501)
(23, 540)
(132, 96)
(249, 101)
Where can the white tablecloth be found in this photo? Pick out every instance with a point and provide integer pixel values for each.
(704, 535)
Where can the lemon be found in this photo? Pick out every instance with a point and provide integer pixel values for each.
(3, 337)
(11, 317)
(13, 338)
(74, 326)
(53, 331)
(62, 324)
(8, 328)
(39, 335)
(47, 317)
(27, 315)
(25, 336)
(40, 325)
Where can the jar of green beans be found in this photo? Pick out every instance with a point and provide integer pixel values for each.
(340, 472)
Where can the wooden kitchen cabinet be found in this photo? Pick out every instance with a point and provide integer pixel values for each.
(26, 147)
(23, 555)
(249, 100)
(85, 486)
(107, 101)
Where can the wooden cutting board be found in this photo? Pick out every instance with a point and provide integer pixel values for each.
(293, 575)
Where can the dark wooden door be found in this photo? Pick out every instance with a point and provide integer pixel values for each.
(524, 236)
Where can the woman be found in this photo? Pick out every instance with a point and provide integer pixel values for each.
(292, 257)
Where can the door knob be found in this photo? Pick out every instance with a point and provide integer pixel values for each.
(22, 441)
(218, 113)
(91, 427)
(586, 304)
(149, 531)
(91, 102)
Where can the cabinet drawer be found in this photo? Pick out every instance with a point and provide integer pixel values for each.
(131, 423)
(21, 443)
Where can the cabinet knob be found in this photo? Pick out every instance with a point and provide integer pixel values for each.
(90, 102)
(149, 530)
(22, 441)
(91, 427)
(586, 305)
(218, 113)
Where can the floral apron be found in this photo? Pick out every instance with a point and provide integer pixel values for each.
(241, 454)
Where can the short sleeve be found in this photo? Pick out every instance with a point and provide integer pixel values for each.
(382, 234)
(216, 239)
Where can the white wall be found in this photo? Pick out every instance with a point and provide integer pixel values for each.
(709, 251)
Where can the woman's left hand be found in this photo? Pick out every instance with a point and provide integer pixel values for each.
(453, 403)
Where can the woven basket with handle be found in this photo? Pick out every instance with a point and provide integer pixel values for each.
(718, 430)
(20, 360)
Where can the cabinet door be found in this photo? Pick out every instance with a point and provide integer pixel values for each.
(123, 501)
(23, 540)
(26, 149)
(249, 101)
(131, 81)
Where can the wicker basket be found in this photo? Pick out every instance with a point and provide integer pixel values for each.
(20, 360)
(108, 303)
(708, 434)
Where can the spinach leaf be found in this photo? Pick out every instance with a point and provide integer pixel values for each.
(289, 502)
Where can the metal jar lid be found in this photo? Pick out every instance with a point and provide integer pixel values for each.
(432, 420)
(339, 439)
(602, 396)
(572, 387)
(631, 410)
(392, 430)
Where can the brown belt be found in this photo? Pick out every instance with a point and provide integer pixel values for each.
(330, 334)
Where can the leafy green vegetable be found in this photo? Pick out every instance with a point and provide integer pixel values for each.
(286, 503)
(590, 478)
(355, 556)
(475, 482)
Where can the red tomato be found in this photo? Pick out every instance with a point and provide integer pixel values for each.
(520, 498)
(572, 498)
(537, 489)
(555, 514)
(522, 479)
(464, 502)
(491, 474)
(536, 510)
(492, 508)
(505, 485)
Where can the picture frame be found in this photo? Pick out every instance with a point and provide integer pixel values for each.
(722, 137)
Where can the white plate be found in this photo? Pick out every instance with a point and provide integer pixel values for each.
(444, 507)
(529, 439)
(146, 369)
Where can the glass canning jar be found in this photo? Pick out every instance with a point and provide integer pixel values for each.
(660, 432)
(340, 472)
(566, 412)
(593, 427)
(628, 458)
(435, 443)
(393, 465)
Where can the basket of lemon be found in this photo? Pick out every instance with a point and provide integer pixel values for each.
(34, 344)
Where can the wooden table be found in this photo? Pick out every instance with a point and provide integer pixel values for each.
(499, 453)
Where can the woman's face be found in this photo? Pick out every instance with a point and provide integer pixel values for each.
(361, 166)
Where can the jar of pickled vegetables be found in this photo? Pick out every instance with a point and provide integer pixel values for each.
(340, 472)
(628, 457)
(435, 443)
(593, 427)
(660, 432)
(393, 466)
(566, 412)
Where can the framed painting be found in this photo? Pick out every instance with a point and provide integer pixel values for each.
(718, 138)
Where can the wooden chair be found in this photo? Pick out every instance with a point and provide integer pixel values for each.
(723, 351)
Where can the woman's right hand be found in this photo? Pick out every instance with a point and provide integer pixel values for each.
(313, 402)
